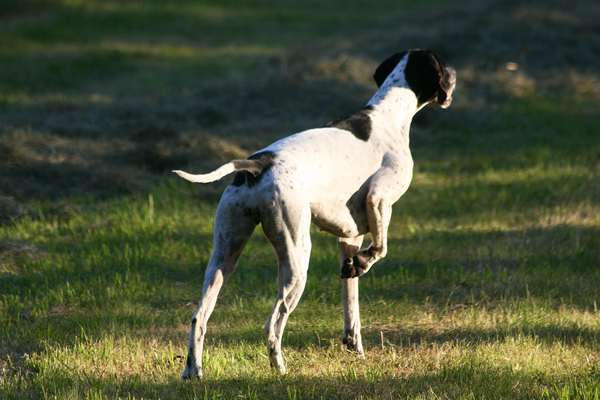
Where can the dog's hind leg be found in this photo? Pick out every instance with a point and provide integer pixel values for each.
(232, 232)
(349, 248)
(290, 235)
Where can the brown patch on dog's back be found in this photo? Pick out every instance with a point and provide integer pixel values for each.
(359, 124)
(252, 168)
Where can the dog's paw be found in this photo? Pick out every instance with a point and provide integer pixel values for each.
(353, 343)
(353, 267)
(189, 375)
(348, 269)
(191, 371)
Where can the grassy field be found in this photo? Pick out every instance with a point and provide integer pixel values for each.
(491, 285)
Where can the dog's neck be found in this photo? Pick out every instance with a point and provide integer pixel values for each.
(393, 108)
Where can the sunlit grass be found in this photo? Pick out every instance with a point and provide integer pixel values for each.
(487, 295)
(489, 289)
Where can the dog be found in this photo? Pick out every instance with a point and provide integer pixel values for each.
(343, 177)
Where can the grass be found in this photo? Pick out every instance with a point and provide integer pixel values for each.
(60, 44)
(490, 288)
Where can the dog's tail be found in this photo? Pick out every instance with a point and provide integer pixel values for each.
(254, 165)
(210, 177)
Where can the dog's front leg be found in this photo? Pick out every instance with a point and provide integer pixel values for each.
(349, 248)
(379, 213)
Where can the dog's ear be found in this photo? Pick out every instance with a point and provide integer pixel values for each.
(447, 84)
(428, 77)
(386, 68)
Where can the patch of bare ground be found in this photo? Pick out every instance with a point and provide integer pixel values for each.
(97, 141)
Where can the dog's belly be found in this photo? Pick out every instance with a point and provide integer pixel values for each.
(341, 224)
(331, 169)
(344, 216)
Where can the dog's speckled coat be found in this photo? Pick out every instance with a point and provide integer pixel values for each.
(343, 177)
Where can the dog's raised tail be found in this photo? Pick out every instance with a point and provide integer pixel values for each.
(210, 177)
(253, 166)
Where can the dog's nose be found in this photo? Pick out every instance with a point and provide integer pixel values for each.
(451, 76)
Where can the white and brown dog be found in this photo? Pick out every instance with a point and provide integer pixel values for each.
(343, 177)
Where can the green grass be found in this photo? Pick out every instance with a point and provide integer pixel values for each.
(63, 44)
(490, 288)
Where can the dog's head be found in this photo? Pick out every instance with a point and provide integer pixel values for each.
(423, 72)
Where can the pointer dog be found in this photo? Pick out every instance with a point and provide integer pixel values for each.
(343, 177)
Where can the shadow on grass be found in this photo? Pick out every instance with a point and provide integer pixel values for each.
(470, 378)
(53, 182)
(465, 377)
(556, 267)
(568, 334)
(482, 198)
(113, 52)
(444, 270)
